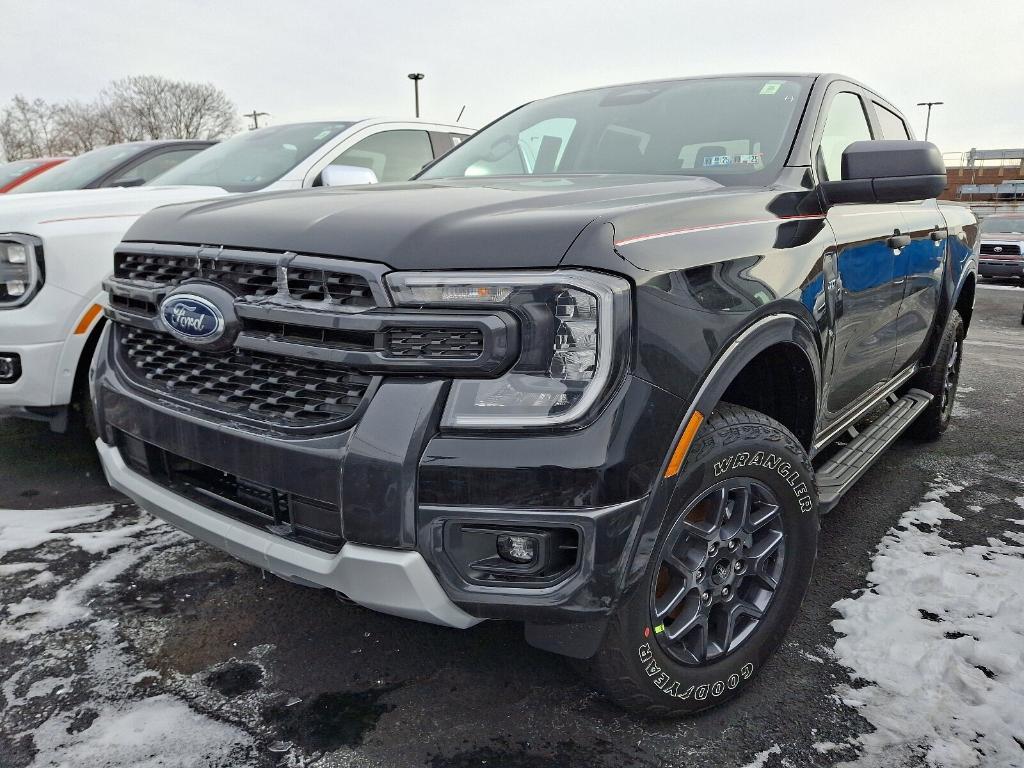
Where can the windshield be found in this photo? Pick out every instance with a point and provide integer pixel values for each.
(1004, 224)
(11, 171)
(735, 130)
(79, 172)
(252, 160)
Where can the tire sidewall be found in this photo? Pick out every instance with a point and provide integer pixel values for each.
(774, 458)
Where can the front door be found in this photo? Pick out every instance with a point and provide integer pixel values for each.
(867, 299)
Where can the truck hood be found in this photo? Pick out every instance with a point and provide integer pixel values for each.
(29, 212)
(444, 224)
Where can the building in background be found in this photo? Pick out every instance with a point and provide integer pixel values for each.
(989, 180)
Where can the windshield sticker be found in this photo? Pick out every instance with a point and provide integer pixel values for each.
(322, 135)
(754, 159)
(770, 88)
(713, 160)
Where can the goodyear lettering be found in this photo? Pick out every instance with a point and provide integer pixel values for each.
(667, 685)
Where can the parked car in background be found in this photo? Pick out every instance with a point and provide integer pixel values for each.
(574, 374)
(55, 248)
(1002, 246)
(19, 171)
(118, 165)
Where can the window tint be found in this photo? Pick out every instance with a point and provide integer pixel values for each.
(152, 167)
(736, 130)
(252, 159)
(845, 124)
(392, 155)
(892, 124)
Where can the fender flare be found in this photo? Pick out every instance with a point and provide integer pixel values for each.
(748, 343)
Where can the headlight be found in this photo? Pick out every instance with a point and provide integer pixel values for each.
(573, 327)
(21, 269)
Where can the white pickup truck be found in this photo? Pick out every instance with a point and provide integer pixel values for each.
(56, 247)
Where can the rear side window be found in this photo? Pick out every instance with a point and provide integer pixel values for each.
(892, 124)
(846, 123)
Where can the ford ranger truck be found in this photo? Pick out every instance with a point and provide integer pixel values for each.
(587, 372)
(55, 246)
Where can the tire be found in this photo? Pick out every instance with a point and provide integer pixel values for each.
(83, 404)
(940, 381)
(738, 454)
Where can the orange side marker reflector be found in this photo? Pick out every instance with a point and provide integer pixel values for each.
(676, 462)
(87, 318)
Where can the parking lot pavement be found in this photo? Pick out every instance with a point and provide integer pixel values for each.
(124, 643)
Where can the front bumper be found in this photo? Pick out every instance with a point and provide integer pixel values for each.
(1001, 268)
(399, 485)
(390, 581)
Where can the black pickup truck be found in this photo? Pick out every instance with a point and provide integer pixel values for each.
(598, 370)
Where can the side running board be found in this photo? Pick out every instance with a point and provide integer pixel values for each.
(838, 474)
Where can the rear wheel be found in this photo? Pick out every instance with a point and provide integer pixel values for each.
(726, 576)
(941, 382)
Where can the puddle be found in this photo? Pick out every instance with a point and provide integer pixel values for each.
(331, 720)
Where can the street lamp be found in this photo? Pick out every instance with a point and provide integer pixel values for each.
(416, 77)
(928, 120)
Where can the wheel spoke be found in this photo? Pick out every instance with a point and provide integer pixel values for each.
(734, 611)
(706, 516)
(669, 601)
(760, 513)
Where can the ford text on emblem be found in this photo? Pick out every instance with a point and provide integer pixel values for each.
(192, 318)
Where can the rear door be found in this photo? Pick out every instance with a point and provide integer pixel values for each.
(148, 165)
(863, 282)
(918, 266)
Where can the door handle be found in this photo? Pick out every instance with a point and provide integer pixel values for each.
(898, 241)
(939, 234)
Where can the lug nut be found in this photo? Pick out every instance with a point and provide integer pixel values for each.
(738, 566)
(706, 598)
(699, 575)
(726, 591)
(732, 545)
(713, 548)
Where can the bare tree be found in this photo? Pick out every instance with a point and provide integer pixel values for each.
(131, 109)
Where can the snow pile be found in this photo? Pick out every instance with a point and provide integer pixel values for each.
(158, 732)
(28, 528)
(940, 638)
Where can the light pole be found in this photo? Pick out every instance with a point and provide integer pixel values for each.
(928, 120)
(256, 118)
(416, 77)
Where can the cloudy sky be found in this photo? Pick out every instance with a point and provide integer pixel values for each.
(334, 59)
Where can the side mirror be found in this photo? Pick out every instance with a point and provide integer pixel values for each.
(885, 171)
(345, 175)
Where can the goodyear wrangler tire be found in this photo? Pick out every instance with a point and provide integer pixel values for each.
(727, 575)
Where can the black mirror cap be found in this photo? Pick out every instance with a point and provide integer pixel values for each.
(884, 171)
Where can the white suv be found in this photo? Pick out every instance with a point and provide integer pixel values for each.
(56, 247)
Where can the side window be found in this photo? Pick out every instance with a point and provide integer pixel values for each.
(892, 124)
(392, 155)
(846, 123)
(152, 167)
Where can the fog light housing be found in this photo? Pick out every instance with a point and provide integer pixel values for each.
(10, 368)
(517, 549)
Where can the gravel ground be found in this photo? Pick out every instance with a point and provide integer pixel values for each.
(124, 643)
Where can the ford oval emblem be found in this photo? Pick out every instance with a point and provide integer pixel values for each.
(192, 318)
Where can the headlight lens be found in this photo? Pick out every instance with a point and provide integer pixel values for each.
(570, 325)
(21, 269)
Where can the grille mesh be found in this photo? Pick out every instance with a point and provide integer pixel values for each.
(450, 343)
(989, 249)
(244, 278)
(268, 388)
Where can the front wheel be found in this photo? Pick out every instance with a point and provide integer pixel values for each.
(727, 574)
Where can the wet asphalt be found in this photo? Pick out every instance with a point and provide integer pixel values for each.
(313, 678)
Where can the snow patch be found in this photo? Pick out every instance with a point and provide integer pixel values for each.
(761, 758)
(159, 732)
(938, 636)
(28, 528)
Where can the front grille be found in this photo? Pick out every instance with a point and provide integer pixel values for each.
(309, 521)
(452, 343)
(244, 278)
(267, 388)
(989, 249)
